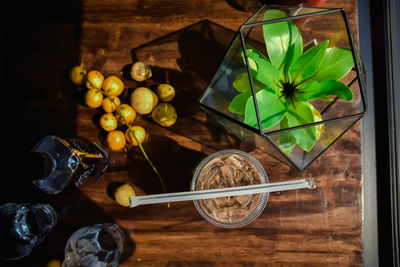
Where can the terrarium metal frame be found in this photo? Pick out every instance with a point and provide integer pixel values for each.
(357, 68)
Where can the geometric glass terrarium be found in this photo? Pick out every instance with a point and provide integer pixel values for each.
(291, 82)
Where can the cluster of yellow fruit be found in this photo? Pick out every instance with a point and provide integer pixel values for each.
(145, 101)
(104, 92)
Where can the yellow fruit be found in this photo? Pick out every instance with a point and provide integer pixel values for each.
(108, 122)
(116, 140)
(54, 263)
(164, 114)
(125, 114)
(93, 98)
(76, 75)
(143, 100)
(113, 85)
(166, 92)
(111, 103)
(122, 194)
(140, 71)
(139, 133)
(94, 80)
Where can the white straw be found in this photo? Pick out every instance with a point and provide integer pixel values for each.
(222, 192)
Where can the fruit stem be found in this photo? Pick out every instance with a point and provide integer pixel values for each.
(148, 160)
(137, 141)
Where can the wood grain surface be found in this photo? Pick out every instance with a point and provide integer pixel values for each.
(183, 42)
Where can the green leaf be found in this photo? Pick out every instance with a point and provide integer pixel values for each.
(242, 84)
(251, 54)
(286, 140)
(336, 63)
(308, 63)
(289, 58)
(325, 98)
(316, 90)
(238, 104)
(301, 114)
(251, 51)
(279, 36)
(320, 128)
(271, 110)
(264, 71)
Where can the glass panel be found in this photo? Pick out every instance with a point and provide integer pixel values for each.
(290, 10)
(230, 91)
(326, 134)
(250, 139)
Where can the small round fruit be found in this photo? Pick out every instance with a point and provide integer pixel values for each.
(125, 114)
(140, 71)
(54, 263)
(111, 103)
(165, 91)
(122, 194)
(94, 79)
(113, 85)
(76, 75)
(143, 100)
(164, 114)
(116, 140)
(93, 98)
(108, 122)
(139, 133)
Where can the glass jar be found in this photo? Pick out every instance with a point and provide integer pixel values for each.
(96, 245)
(230, 168)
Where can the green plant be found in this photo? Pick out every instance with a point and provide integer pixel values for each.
(286, 79)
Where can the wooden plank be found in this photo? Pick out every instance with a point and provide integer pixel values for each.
(296, 228)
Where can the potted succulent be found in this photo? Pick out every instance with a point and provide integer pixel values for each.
(289, 85)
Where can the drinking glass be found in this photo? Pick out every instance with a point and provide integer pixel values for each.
(23, 227)
(98, 245)
(230, 168)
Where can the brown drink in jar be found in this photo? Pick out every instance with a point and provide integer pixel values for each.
(230, 168)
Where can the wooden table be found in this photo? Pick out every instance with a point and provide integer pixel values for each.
(183, 41)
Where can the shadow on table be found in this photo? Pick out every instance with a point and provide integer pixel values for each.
(247, 5)
(188, 59)
(176, 165)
